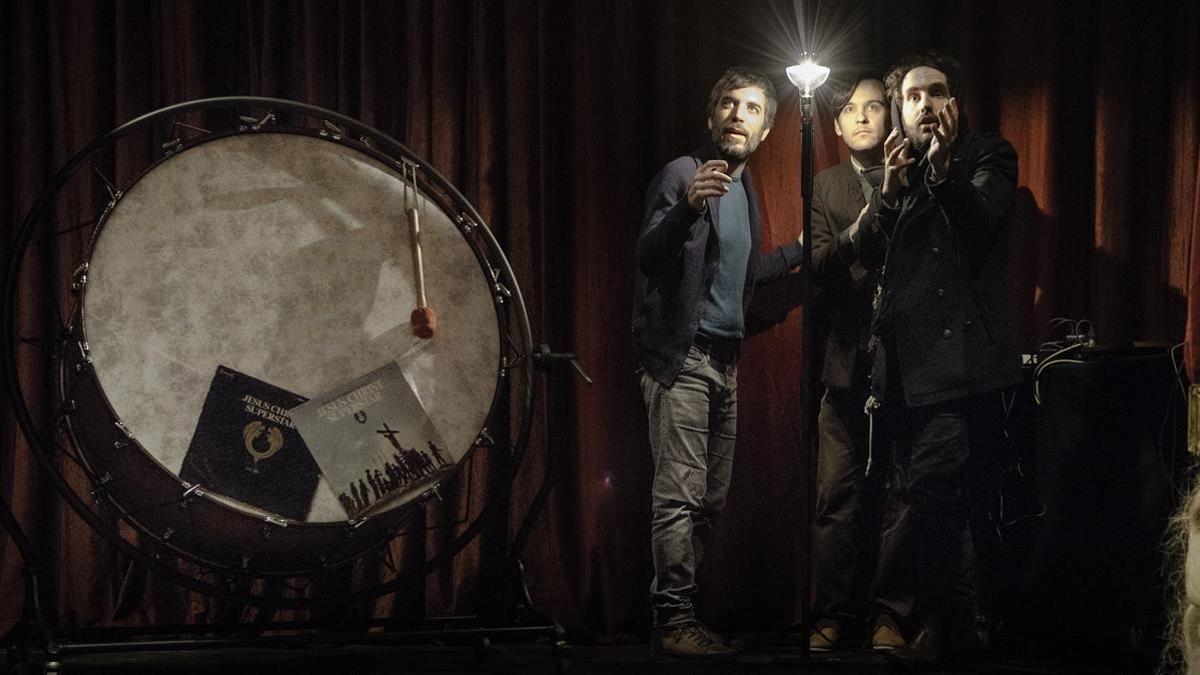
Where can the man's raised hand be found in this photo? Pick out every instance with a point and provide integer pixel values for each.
(895, 159)
(943, 137)
(710, 181)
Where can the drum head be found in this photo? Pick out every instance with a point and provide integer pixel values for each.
(287, 258)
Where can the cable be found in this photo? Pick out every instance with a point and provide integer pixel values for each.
(1166, 455)
(1048, 361)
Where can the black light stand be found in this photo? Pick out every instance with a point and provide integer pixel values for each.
(807, 76)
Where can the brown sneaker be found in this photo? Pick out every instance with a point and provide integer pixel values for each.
(826, 636)
(886, 636)
(734, 643)
(691, 640)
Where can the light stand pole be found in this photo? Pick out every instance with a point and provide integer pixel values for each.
(807, 76)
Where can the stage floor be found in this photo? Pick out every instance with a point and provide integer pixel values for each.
(539, 658)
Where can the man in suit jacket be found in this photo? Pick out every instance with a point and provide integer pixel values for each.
(851, 469)
(940, 331)
(698, 262)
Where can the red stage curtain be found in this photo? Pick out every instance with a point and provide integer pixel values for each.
(551, 117)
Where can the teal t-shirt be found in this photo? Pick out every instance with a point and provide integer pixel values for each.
(723, 316)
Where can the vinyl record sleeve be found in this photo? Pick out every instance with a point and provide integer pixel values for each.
(245, 446)
(373, 440)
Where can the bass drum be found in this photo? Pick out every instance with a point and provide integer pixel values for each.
(281, 258)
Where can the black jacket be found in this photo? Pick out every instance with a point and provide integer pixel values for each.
(843, 308)
(943, 315)
(677, 255)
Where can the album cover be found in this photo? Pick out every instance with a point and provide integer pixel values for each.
(373, 440)
(246, 447)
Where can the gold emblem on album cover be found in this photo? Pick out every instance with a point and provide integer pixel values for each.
(262, 440)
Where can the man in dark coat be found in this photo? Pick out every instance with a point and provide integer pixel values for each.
(940, 331)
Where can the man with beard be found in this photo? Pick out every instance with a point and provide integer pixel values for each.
(940, 333)
(698, 263)
(851, 475)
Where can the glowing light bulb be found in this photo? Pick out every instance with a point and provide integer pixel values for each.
(807, 76)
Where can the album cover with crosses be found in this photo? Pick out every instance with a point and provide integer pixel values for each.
(373, 440)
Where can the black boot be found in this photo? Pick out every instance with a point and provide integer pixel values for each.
(938, 642)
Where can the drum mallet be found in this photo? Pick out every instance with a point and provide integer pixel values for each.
(423, 318)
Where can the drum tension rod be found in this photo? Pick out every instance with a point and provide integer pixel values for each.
(113, 193)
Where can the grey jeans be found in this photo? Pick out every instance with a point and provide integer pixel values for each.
(693, 424)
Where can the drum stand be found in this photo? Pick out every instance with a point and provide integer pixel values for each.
(33, 627)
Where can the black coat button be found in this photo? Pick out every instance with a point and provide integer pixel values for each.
(941, 292)
(946, 334)
(936, 251)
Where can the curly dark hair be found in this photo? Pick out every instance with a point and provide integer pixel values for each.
(737, 78)
(931, 59)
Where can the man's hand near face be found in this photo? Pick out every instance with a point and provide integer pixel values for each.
(943, 137)
(709, 181)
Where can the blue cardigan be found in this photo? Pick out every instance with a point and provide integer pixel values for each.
(677, 255)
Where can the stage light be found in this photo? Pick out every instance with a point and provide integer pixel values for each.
(807, 76)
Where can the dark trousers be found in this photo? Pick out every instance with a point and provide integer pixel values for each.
(929, 542)
(850, 516)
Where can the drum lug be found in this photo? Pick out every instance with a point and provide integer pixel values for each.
(332, 130)
(79, 278)
(255, 124)
(125, 430)
(186, 497)
(484, 439)
(120, 443)
(269, 525)
(166, 535)
(172, 146)
(85, 356)
(98, 493)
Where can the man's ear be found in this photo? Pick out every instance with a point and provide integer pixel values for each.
(837, 128)
(710, 122)
(763, 137)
